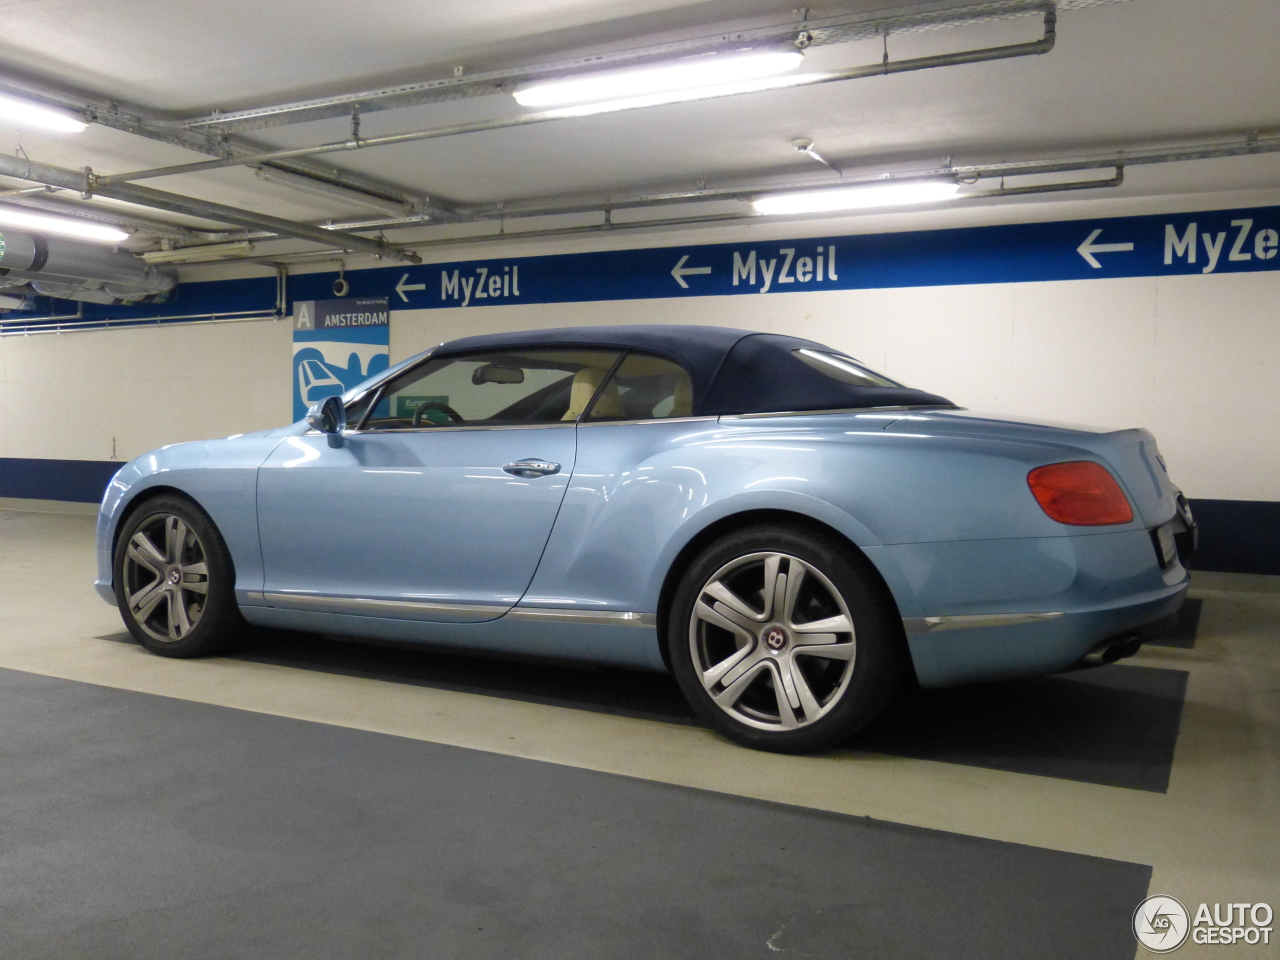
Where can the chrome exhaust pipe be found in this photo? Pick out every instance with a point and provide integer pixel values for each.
(1109, 651)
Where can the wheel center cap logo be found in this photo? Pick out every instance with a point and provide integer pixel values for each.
(775, 638)
(175, 576)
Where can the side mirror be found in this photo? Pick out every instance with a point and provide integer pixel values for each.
(329, 416)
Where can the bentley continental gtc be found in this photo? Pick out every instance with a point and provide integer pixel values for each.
(789, 533)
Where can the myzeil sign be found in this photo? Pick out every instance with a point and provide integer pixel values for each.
(1191, 243)
(336, 344)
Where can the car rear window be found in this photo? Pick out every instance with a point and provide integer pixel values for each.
(845, 369)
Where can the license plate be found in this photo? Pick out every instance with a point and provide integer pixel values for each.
(1167, 546)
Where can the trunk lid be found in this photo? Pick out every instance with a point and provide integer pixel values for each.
(1132, 455)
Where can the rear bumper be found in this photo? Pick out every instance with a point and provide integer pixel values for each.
(1059, 597)
(951, 657)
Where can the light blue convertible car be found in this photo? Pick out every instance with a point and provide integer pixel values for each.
(788, 532)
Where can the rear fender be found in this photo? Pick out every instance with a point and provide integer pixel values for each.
(748, 507)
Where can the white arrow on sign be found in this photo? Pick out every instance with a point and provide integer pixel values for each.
(401, 287)
(1089, 248)
(680, 271)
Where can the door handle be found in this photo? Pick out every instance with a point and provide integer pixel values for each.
(532, 468)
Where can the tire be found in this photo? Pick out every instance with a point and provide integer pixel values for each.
(174, 580)
(774, 682)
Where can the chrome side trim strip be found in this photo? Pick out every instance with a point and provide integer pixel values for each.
(969, 621)
(390, 609)
(598, 617)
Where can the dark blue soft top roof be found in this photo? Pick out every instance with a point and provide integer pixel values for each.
(732, 371)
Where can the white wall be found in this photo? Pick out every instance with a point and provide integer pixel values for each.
(65, 396)
(1196, 359)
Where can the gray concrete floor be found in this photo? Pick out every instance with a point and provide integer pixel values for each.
(1211, 834)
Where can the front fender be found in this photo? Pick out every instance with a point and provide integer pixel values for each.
(219, 475)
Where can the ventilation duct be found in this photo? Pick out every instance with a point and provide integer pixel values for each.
(80, 271)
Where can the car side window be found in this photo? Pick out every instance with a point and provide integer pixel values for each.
(495, 388)
(644, 387)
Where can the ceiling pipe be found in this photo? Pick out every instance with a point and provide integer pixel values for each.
(885, 67)
(211, 134)
(965, 173)
(844, 28)
(52, 202)
(83, 182)
(611, 226)
(80, 271)
(968, 173)
(210, 142)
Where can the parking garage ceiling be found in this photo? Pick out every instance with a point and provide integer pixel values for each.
(1124, 75)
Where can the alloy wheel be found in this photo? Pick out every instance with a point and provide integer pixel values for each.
(166, 577)
(772, 641)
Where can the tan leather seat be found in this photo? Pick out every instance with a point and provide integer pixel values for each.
(585, 383)
(682, 402)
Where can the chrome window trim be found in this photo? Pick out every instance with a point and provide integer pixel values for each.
(819, 413)
(431, 611)
(914, 625)
(466, 427)
(625, 618)
(617, 423)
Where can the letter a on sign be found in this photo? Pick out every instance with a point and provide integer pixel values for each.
(302, 319)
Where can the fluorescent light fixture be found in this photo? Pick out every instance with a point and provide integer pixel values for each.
(666, 82)
(332, 191)
(203, 253)
(61, 226)
(27, 114)
(857, 197)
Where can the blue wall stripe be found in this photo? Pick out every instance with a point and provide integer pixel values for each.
(1221, 241)
(1236, 536)
(80, 481)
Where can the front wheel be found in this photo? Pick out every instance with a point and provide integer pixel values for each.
(785, 639)
(174, 580)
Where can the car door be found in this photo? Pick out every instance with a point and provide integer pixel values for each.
(633, 485)
(440, 500)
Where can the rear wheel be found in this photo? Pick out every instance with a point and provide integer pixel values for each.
(785, 639)
(175, 582)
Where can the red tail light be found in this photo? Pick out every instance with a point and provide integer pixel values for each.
(1081, 493)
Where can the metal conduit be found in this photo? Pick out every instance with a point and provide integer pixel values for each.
(26, 327)
(84, 183)
(844, 28)
(610, 226)
(1009, 51)
(965, 173)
